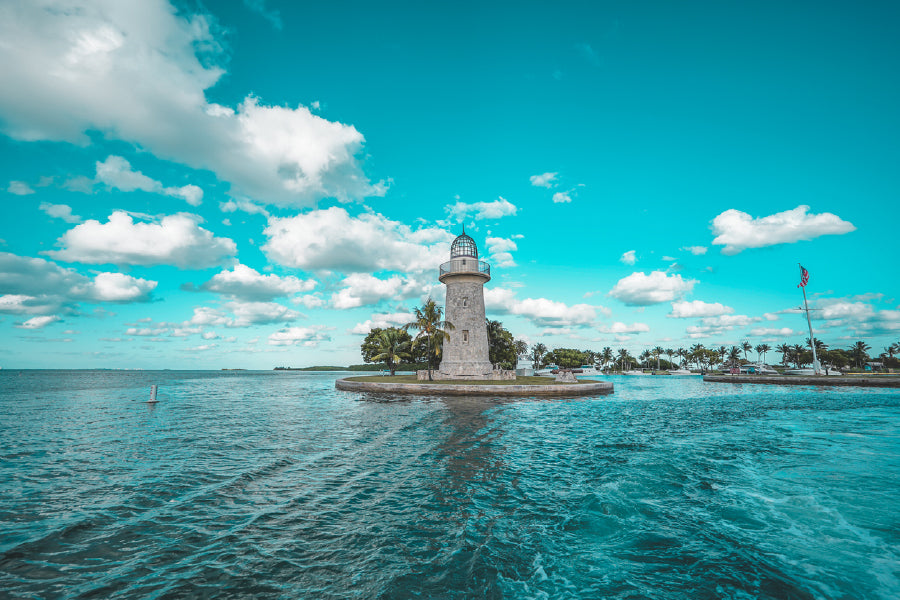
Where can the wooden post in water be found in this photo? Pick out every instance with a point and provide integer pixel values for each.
(153, 399)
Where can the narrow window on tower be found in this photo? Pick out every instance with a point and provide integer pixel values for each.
(465, 302)
(465, 336)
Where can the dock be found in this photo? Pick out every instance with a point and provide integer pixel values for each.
(887, 381)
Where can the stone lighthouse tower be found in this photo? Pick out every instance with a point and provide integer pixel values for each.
(465, 354)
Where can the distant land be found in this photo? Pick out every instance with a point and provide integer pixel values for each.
(371, 367)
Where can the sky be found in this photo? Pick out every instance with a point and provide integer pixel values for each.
(253, 184)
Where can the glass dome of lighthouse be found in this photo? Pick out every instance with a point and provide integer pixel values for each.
(463, 246)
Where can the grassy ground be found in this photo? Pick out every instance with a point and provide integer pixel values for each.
(520, 380)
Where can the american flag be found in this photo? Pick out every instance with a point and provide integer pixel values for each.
(804, 277)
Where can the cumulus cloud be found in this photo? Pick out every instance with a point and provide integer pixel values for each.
(38, 322)
(246, 283)
(482, 210)
(293, 336)
(622, 328)
(543, 312)
(562, 197)
(118, 287)
(364, 289)
(116, 173)
(60, 211)
(239, 314)
(716, 326)
(38, 286)
(175, 240)
(545, 180)
(857, 316)
(772, 332)
(332, 239)
(628, 258)
(500, 251)
(738, 231)
(19, 188)
(695, 250)
(139, 74)
(698, 309)
(382, 321)
(639, 289)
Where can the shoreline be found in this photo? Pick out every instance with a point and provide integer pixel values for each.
(592, 388)
(821, 380)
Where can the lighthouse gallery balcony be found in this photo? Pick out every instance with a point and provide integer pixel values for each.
(466, 265)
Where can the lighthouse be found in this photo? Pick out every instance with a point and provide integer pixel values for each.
(465, 353)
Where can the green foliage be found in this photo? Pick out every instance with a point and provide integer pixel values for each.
(501, 345)
(393, 347)
(568, 358)
(432, 331)
(371, 345)
(538, 351)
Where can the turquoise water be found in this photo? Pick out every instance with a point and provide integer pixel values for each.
(273, 484)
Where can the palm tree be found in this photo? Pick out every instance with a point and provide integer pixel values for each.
(391, 349)
(785, 351)
(623, 358)
(745, 346)
(859, 352)
(734, 355)
(431, 326)
(763, 348)
(657, 351)
(682, 354)
(797, 353)
(723, 352)
(537, 355)
(606, 356)
(669, 352)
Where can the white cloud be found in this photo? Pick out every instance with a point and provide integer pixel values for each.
(383, 320)
(482, 210)
(621, 328)
(248, 284)
(117, 287)
(36, 286)
(245, 314)
(292, 336)
(639, 289)
(244, 205)
(695, 250)
(738, 231)
(698, 309)
(773, 332)
(116, 173)
(309, 301)
(716, 326)
(139, 73)
(562, 197)
(38, 322)
(175, 240)
(500, 251)
(259, 313)
(543, 312)
(364, 289)
(332, 239)
(628, 258)
(545, 180)
(19, 188)
(60, 211)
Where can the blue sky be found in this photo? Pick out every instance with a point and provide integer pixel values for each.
(254, 184)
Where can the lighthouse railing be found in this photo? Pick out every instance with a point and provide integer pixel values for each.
(466, 265)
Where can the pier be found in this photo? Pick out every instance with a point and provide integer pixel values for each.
(889, 381)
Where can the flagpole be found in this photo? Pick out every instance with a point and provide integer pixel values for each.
(812, 340)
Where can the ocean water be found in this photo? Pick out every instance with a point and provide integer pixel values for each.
(276, 485)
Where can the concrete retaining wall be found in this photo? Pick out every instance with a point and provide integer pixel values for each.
(829, 380)
(448, 389)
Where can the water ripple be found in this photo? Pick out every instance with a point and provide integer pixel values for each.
(252, 484)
